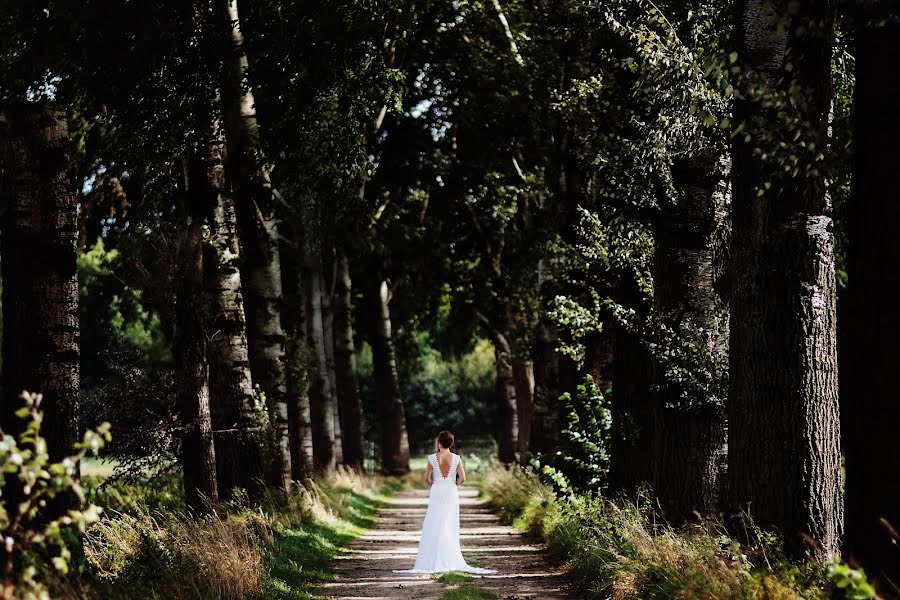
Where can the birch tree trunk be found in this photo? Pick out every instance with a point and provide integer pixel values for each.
(239, 458)
(294, 318)
(347, 387)
(689, 450)
(189, 347)
(320, 394)
(328, 282)
(869, 396)
(394, 440)
(784, 458)
(38, 234)
(507, 415)
(261, 271)
(523, 382)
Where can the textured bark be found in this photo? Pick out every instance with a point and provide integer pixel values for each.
(40, 347)
(239, 457)
(189, 347)
(394, 440)
(868, 394)
(507, 416)
(689, 448)
(347, 387)
(523, 381)
(296, 359)
(328, 283)
(260, 272)
(320, 394)
(783, 447)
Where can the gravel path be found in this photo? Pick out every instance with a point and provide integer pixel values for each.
(365, 568)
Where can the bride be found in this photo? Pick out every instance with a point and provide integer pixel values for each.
(439, 545)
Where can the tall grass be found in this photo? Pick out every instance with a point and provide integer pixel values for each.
(620, 550)
(240, 552)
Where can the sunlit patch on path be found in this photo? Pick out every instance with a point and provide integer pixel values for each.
(365, 569)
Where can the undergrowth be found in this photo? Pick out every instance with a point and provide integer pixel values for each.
(620, 550)
(144, 547)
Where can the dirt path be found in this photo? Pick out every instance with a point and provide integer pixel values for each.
(364, 570)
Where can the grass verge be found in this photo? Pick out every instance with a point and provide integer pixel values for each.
(468, 592)
(620, 550)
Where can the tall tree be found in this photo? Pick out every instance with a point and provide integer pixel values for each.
(689, 436)
(321, 403)
(189, 343)
(256, 208)
(347, 386)
(394, 439)
(783, 443)
(232, 401)
(329, 274)
(869, 401)
(38, 235)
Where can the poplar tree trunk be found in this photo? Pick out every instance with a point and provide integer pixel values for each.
(189, 347)
(869, 395)
(239, 459)
(394, 440)
(347, 387)
(260, 272)
(783, 449)
(328, 279)
(38, 235)
(320, 395)
(689, 449)
(507, 415)
(294, 318)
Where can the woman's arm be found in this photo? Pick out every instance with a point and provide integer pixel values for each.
(460, 473)
(429, 473)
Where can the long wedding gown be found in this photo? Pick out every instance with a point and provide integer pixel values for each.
(439, 549)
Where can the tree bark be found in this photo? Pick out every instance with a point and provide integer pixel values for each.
(689, 448)
(260, 272)
(394, 440)
(236, 428)
(783, 451)
(297, 368)
(40, 347)
(320, 394)
(347, 387)
(508, 429)
(328, 284)
(523, 382)
(189, 347)
(869, 396)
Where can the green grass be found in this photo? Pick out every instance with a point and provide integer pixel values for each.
(302, 554)
(468, 592)
(454, 578)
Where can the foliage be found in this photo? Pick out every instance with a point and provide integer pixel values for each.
(583, 461)
(35, 524)
(621, 549)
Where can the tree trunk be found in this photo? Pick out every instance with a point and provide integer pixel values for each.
(40, 347)
(523, 381)
(320, 402)
(260, 272)
(236, 427)
(507, 415)
(189, 347)
(294, 318)
(689, 449)
(394, 440)
(783, 449)
(869, 396)
(345, 368)
(328, 284)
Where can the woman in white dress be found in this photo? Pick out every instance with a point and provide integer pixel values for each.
(439, 549)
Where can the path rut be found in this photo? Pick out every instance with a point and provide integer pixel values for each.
(365, 569)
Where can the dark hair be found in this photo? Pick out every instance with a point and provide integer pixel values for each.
(445, 439)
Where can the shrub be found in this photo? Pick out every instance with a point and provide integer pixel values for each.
(35, 525)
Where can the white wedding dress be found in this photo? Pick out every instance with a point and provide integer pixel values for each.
(439, 549)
